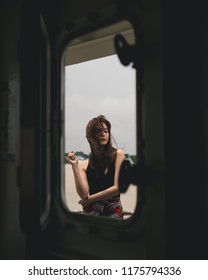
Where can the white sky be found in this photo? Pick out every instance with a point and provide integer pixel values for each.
(100, 86)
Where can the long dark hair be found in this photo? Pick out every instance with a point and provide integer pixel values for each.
(101, 156)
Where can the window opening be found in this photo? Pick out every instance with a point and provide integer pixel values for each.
(96, 83)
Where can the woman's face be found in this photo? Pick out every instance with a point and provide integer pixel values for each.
(103, 135)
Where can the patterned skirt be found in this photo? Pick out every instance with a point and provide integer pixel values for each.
(110, 208)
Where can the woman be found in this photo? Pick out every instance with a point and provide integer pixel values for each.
(96, 179)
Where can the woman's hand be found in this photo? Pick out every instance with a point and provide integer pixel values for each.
(72, 159)
(85, 201)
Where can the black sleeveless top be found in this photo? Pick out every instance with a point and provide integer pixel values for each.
(101, 182)
(109, 207)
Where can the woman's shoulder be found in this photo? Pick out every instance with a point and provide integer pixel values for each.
(83, 165)
(120, 154)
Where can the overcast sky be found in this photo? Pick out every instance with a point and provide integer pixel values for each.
(100, 86)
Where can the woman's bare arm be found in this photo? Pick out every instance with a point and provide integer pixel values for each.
(81, 183)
